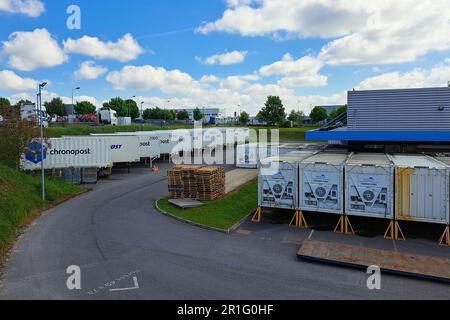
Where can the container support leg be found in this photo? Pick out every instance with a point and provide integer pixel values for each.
(298, 220)
(394, 232)
(344, 226)
(257, 216)
(445, 238)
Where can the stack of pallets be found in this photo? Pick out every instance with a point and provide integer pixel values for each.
(182, 182)
(210, 183)
(189, 181)
(175, 178)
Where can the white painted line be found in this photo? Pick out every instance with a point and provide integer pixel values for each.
(311, 234)
(136, 286)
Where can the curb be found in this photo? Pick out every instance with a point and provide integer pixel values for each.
(199, 225)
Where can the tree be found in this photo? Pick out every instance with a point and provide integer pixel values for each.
(118, 105)
(55, 107)
(22, 102)
(134, 109)
(273, 113)
(159, 114)
(198, 115)
(84, 107)
(318, 114)
(183, 115)
(337, 112)
(296, 117)
(244, 118)
(16, 136)
(4, 102)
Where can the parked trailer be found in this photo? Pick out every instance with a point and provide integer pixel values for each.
(422, 189)
(172, 141)
(369, 186)
(321, 187)
(149, 144)
(249, 155)
(124, 148)
(62, 153)
(278, 181)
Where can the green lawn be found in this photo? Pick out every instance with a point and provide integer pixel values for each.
(20, 202)
(286, 134)
(223, 213)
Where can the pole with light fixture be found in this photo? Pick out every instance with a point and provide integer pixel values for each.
(41, 127)
(142, 112)
(77, 88)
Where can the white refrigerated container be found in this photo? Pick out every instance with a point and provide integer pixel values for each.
(369, 186)
(321, 186)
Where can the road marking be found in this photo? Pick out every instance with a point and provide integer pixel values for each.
(136, 286)
(311, 234)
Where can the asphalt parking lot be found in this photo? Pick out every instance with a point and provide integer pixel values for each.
(126, 249)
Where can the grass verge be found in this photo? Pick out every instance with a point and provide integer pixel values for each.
(21, 203)
(223, 213)
(286, 134)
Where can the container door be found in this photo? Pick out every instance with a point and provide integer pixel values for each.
(279, 190)
(422, 195)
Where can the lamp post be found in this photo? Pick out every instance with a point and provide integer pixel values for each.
(77, 88)
(142, 113)
(41, 127)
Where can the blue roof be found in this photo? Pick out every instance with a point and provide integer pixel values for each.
(395, 136)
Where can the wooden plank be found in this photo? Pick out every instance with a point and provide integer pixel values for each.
(389, 261)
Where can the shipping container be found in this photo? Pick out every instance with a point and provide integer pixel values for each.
(278, 180)
(421, 189)
(424, 109)
(149, 144)
(249, 155)
(76, 152)
(213, 138)
(321, 182)
(369, 186)
(124, 148)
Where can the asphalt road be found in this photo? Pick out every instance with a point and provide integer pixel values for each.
(114, 234)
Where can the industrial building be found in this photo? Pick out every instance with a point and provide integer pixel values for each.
(399, 120)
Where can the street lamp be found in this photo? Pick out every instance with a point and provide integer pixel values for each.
(129, 106)
(41, 127)
(142, 113)
(77, 88)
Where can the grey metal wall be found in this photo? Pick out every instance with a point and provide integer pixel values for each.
(399, 110)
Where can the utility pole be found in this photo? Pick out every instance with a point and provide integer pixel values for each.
(77, 88)
(41, 127)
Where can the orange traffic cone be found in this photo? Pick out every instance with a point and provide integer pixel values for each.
(155, 168)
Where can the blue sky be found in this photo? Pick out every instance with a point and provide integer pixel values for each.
(308, 52)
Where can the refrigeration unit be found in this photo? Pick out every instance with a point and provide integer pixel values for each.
(278, 181)
(369, 186)
(321, 182)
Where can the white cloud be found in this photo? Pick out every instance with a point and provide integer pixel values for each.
(89, 71)
(225, 59)
(11, 81)
(148, 77)
(28, 51)
(125, 49)
(32, 8)
(209, 79)
(417, 78)
(367, 32)
(303, 72)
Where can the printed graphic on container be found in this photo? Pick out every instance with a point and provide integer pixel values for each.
(34, 152)
(369, 195)
(279, 190)
(321, 191)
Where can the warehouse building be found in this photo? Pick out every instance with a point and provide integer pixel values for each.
(399, 120)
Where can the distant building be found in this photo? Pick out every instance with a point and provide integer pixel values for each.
(209, 113)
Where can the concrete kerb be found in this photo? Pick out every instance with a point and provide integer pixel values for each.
(199, 225)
